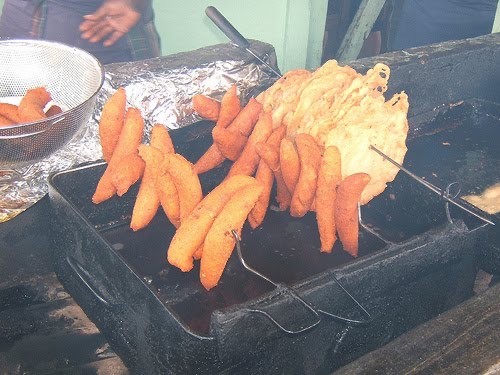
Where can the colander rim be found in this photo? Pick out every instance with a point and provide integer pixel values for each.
(64, 46)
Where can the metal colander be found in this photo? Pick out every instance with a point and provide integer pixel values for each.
(72, 76)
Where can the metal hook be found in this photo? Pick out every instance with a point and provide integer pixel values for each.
(447, 205)
(314, 311)
(292, 293)
(431, 187)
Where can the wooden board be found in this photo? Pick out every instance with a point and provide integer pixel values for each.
(464, 340)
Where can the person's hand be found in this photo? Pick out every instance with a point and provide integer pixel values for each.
(110, 22)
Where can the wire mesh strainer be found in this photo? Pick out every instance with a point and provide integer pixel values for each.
(72, 76)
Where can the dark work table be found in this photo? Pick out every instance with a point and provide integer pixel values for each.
(43, 330)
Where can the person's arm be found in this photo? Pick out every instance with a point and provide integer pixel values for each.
(112, 20)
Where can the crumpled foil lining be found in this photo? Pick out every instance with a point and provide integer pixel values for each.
(162, 89)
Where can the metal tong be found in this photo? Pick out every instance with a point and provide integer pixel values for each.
(234, 35)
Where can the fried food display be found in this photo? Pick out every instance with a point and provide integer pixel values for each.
(160, 138)
(169, 198)
(329, 177)
(310, 161)
(210, 159)
(265, 176)
(269, 154)
(247, 162)
(289, 163)
(127, 172)
(165, 186)
(111, 122)
(206, 107)
(148, 198)
(230, 106)
(267, 170)
(219, 241)
(307, 137)
(346, 210)
(341, 107)
(243, 124)
(378, 123)
(128, 142)
(245, 121)
(186, 181)
(282, 97)
(229, 143)
(193, 230)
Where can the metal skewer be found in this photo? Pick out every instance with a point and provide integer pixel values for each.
(443, 193)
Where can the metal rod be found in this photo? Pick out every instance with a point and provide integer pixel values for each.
(445, 195)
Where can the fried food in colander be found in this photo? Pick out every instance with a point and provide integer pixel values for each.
(31, 107)
(4, 121)
(9, 112)
(53, 110)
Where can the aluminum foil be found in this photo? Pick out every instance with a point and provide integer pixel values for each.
(162, 89)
